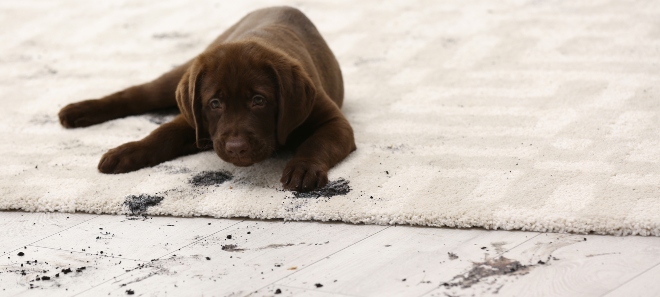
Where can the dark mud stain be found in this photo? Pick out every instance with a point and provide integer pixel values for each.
(139, 204)
(333, 188)
(210, 178)
(231, 248)
(452, 256)
(492, 267)
(162, 116)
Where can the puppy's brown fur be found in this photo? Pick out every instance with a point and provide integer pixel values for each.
(269, 81)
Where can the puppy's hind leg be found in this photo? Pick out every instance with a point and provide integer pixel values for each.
(157, 94)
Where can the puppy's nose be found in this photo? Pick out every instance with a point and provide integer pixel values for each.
(236, 147)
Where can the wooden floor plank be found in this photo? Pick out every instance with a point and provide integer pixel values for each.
(241, 260)
(137, 238)
(22, 228)
(645, 284)
(403, 261)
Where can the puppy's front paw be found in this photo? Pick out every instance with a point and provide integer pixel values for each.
(81, 114)
(304, 175)
(125, 158)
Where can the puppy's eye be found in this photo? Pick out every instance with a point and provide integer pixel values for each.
(214, 103)
(258, 100)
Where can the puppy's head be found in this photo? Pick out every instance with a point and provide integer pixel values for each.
(244, 99)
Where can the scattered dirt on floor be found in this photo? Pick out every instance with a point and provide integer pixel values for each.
(499, 266)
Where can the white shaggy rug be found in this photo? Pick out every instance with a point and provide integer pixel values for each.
(531, 115)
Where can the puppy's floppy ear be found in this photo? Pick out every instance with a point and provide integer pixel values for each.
(297, 95)
(190, 102)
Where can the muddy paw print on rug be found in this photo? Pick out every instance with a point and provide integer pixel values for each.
(301, 200)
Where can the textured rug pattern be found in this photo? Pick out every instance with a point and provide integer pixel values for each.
(532, 115)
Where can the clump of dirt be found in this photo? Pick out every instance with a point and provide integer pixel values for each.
(333, 188)
(231, 248)
(210, 178)
(139, 204)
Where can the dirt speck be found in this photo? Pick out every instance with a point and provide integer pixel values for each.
(278, 291)
(138, 205)
(130, 292)
(21, 254)
(452, 256)
(333, 188)
(318, 285)
(210, 178)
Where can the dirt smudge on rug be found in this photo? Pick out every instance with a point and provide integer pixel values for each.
(139, 204)
(333, 188)
(210, 178)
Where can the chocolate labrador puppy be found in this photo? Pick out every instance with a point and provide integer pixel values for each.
(268, 82)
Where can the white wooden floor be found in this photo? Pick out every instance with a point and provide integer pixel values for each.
(56, 254)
